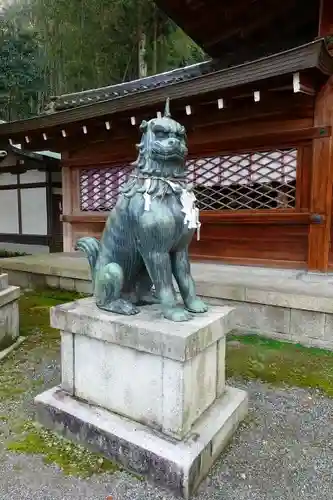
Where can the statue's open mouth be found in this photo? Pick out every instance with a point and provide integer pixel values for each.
(169, 154)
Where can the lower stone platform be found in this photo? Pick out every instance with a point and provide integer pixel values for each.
(146, 392)
(288, 304)
(177, 465)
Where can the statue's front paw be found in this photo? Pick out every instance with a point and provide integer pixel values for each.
(177, 314)
(120, 306)
(197, 306)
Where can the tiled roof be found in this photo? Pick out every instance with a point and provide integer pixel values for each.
(68, 101)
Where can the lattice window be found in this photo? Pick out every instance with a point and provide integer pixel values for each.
(260, 180)
(99, 187)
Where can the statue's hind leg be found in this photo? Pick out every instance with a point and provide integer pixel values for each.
(145, 295)
(107, 289)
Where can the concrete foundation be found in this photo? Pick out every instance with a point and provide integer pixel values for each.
(9, 313)
(291, 305)
(146, 392)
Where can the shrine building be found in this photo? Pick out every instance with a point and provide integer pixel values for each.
(258, 114)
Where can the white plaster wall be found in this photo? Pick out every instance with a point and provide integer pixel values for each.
(32, 176)
(34, 211)
(7, 178)
(8, 211)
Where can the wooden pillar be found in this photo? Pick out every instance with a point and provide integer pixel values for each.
(67, 208)
(325, 18)
(321, 183)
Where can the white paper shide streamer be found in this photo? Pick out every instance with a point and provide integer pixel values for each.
(147, 196)
(191, 212)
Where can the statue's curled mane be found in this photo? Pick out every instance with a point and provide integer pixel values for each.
(160, 168)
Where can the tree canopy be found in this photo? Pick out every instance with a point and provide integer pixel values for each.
(52, 47)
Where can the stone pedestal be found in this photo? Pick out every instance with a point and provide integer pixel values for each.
(145, 392)
(9, 313)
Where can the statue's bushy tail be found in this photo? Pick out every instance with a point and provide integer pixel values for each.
(90, 246)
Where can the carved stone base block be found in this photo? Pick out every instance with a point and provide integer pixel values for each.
(144, 391)
(9, 313)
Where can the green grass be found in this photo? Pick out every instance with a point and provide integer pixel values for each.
(280, 363)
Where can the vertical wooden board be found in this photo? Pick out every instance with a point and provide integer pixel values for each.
(321, 205)
(75, 190)
(321, 184)
(303, 179)
(325, 18)
(67, 208)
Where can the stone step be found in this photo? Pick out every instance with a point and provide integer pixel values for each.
(3, 281)
(9, 315)
(9, 294)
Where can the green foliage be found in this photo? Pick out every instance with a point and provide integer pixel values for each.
(52, 47)
(21, 80)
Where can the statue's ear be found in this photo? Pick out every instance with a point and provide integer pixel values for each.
(143, 126)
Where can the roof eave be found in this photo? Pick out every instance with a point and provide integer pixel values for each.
(310, 56)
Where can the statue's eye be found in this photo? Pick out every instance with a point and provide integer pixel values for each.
(160, 133)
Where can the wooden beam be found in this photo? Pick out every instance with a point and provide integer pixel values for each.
(321, 183)
(214, 140)
(325, 18)
(274, 217)
(236, 141)
(202, 115)
(265, 217)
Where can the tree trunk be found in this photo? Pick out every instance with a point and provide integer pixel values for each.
(154, 59)
(142, 45)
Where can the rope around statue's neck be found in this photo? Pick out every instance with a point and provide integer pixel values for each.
(187, 200)
(159, 178)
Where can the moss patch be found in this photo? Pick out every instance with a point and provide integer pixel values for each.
(280, 363)
(18, 372)
(73, 459)
(4, 254)
(35, 310)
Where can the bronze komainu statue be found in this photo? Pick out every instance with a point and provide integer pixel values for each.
(147, 234)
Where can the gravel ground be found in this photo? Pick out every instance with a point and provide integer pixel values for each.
(283, 451)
